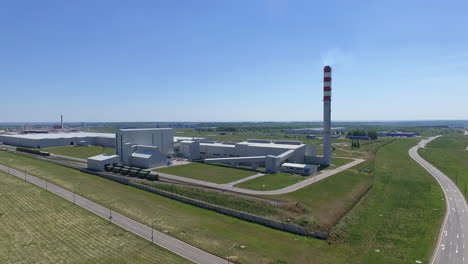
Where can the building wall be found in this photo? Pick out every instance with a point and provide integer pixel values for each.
(55, 142)
(159, 137)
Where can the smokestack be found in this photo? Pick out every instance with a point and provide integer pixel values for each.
(327, 115)
(61, 121)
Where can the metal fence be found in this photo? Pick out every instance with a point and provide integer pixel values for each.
(298, 230)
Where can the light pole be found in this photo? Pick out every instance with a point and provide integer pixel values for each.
(152, 231)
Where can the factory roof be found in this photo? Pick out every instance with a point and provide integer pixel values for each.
(102, 157)
(272, 145)
(295, 165)
(143, 129)
(315, 129)
(217, 144)
(61, 135)
(177, 139)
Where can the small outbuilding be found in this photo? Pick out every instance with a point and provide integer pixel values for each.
(303, 169)
(99, 162)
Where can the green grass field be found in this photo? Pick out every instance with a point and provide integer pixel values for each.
(39, 227)
(280, 180)
(208, 172)
(80, 151)
(400, 216)
(449, 154)
(272, 181)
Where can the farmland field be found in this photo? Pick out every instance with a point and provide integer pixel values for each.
(39, 227)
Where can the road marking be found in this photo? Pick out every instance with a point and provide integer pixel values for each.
(456, 250)
(445, 232)
(443, 246)
(457, 235)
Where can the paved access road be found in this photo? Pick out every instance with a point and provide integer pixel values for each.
(177, 246)
(453, 237)
(291, 188)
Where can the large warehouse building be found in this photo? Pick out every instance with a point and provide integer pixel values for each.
(45, 140)
(146, 147)
(253, 152)
(315, 130)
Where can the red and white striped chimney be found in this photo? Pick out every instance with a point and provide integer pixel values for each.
(327, 83)
(327, 147)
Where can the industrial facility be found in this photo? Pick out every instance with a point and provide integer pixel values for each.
(156, 147)
(45, 140)
(315, 130)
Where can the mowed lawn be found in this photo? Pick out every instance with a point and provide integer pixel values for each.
(81, 152)
(329, 199)
(208, 172)
(39, 227)
(400, 217)
(449, 154)
(273, 181)
(211, 231)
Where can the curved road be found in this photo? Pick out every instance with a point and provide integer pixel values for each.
(453, 237)
(291, 188)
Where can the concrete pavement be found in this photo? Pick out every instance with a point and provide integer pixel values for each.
(291, 188)
(177, 246)
(245, 179)
(453, 237)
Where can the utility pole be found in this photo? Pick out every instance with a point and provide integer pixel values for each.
(152, 231)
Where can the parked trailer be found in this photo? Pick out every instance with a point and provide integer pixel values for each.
(33, 151)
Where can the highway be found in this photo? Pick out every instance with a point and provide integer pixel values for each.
(453, 237)
(177, 246)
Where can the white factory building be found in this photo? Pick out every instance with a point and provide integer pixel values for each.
(44, 140)
(315, 130)
(145, 147)
(253, 152)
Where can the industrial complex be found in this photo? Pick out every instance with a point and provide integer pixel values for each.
(156, 147)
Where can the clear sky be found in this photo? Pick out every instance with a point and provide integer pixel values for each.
(222, 60)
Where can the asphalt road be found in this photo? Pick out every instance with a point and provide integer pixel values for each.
(453, 235)
(177, 246)
(291, 188)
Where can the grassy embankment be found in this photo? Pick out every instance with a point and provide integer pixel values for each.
(40, 227)
(449, 154)
(81, 152)
(399, 217)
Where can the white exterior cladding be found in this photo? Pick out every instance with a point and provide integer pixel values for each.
(99, 162)
(59, 139)
(303, 169)
(147, 147)
(315, 130)
(263, 153)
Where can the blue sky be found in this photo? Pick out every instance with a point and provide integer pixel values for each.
(219, 60)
